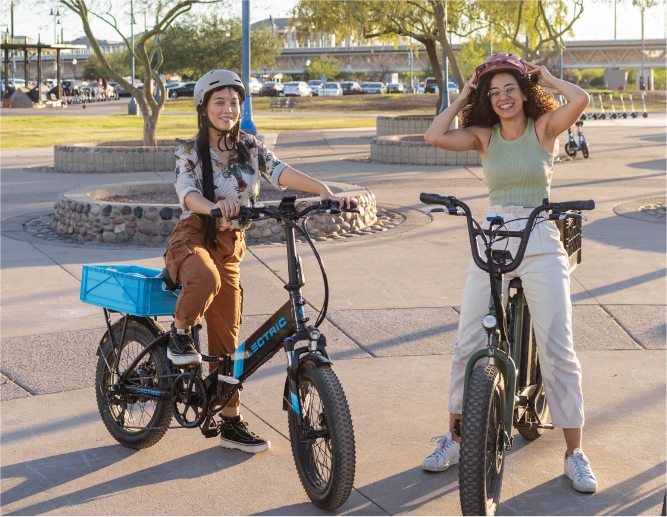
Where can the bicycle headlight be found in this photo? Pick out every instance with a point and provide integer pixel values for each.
(315, 335)
(489, 322)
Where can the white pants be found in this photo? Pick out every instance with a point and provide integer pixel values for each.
(546, 283)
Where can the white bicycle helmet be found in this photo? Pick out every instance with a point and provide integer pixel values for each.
(215, 79)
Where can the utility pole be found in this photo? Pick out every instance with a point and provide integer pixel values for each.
(349, 61)
(615, 2)
(412, 83)
(247, 124)
(445, 73)
(643, 76)
(132, 106)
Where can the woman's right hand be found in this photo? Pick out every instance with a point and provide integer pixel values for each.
(228, 207)
(468, 88)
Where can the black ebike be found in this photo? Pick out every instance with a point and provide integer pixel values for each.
(139, 390)
(503, 384)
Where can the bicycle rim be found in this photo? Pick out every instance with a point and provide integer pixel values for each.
(131, 414)
(315, 453)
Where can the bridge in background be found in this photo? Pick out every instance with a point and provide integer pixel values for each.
(386, 59)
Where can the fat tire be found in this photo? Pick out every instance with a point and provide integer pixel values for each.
(584, 149)
(485, 390)
(162, 415)
(337, 414)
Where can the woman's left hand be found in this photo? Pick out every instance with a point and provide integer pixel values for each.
(543, 75)
(343, 201)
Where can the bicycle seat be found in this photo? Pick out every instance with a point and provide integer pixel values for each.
(579, 123)
(169, 284)
(515, 283)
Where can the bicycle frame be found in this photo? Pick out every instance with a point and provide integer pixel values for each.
(285, 328)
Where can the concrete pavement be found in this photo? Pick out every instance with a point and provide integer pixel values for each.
(391, 327)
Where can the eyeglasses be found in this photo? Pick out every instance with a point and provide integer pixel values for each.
(495, 92)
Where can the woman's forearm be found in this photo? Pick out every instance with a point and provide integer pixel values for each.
(292, 178)
(570, 91)
(443, 121)
(197, 203)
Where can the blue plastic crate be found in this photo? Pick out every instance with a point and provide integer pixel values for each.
(129, 289)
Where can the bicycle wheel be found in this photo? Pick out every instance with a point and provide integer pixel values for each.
(584, 149)
(134, 421)
(324, 450)
(570, 152)
(482, 453)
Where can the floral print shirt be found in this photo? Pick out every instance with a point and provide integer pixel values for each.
(239, 181)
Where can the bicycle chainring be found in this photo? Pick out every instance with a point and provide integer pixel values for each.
(189, 401)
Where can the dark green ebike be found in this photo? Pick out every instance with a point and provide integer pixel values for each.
(503, 384)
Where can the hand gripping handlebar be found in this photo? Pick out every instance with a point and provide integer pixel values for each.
(256, 211)
(456, 207)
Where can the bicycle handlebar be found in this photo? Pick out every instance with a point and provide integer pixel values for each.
(256, 211)
(559, 211)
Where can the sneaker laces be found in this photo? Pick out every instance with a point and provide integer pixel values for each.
(581, 464)
(442, 443)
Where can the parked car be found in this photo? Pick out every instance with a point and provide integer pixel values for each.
(184, 90)
(170, 85)
(315, 85)
(298, 89)
(395, 88)
(15, 83)
(255, 86)
(272, 89)
(431, 85)
(374, 88)
(351, 88)
(332, 89)
(452, 88)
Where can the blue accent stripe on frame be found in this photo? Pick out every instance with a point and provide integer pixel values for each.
(239, 358)
(295, 404)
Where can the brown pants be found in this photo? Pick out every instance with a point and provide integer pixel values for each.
(211, 283)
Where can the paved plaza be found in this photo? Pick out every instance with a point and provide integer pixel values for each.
(391, 326)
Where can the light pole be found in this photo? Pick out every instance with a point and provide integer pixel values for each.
(132, 106)
(74, 65)
(445, 73)
(642, 78)
(56, 21)
(247, 124)
(349, 61)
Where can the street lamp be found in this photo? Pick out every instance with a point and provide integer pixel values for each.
(56, 21)
(247, 124)
(74, 65)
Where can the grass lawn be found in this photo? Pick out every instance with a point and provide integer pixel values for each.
(27, 132)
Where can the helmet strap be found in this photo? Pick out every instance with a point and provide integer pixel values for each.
(223, 137)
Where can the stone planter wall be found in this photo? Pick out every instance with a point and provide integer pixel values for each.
(80, 214)
(116, 156)
(413, 150)
(406, 124)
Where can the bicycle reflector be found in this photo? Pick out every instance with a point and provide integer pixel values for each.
(489, 322)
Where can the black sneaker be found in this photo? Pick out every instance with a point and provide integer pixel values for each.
(235, 435)
(181, 349)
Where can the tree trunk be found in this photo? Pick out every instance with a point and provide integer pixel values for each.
(150, 128)
(432, 52)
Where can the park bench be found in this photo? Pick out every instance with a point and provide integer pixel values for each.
(278, 103)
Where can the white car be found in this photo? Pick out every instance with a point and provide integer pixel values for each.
(332, 89)
(315, 85)
(255, 86)
(298, 89)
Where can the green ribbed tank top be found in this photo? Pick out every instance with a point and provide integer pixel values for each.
(518, 172)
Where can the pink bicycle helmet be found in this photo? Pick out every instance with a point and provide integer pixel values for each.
(499, 62)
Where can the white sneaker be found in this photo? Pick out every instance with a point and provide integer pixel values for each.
(445, 455)
(578, 469)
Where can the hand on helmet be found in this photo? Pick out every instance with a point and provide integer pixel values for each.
(540, 72)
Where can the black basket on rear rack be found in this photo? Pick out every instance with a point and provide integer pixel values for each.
(570, 236)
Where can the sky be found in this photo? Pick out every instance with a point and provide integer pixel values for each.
(597, 22)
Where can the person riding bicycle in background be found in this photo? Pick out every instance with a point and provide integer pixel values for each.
(513, 123)
(220, 168)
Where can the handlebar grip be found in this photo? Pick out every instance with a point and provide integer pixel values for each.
(433, 199)
(243, 212)
(578, 205)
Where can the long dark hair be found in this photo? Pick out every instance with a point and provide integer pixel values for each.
(480, 112)
(204, 155)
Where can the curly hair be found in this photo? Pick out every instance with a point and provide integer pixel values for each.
(480, 112)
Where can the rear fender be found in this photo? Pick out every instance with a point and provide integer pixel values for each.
(151, 324)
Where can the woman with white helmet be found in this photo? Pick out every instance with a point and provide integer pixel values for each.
(220, 168)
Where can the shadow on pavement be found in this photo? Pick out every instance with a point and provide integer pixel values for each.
(44, 474)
